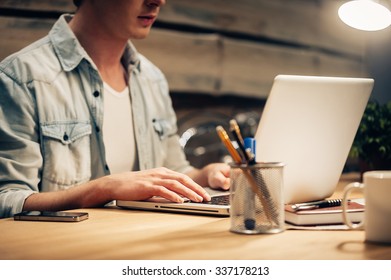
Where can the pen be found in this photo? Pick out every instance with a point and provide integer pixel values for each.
(234, 128)
(249, 207)
(250, 143)
(236, 157)
(316, 204)
(250, 147)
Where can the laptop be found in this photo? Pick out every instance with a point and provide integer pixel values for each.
(309, 124)
(218, 206)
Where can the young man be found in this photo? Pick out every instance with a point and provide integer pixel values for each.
(81, 111)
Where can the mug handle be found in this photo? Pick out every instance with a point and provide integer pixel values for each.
(348, 189)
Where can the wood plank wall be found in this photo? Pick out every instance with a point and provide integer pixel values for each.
(220, 47)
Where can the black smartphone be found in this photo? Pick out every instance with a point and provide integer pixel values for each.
(59, 216)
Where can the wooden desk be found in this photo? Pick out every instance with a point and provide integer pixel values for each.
(125, 234)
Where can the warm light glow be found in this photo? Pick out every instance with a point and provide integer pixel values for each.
(365, 15)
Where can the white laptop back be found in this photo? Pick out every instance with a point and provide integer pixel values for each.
(309, 123)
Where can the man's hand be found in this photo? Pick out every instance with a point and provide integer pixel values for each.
(141, 185)
(214, 175)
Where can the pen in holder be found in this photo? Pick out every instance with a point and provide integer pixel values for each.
(256, 198)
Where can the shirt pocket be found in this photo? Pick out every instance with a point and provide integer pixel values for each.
(67, 154)
(163, 128)
(163, 131)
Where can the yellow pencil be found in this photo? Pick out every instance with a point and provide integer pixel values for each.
(227, 142)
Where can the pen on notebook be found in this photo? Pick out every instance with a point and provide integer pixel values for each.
(316, 204)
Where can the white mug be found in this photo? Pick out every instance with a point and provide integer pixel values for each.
(377, 194)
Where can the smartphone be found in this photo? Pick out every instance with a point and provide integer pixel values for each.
(49, 216)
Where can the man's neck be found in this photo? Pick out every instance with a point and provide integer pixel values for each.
(104, 50)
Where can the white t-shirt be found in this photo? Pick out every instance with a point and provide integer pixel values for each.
(118, 134)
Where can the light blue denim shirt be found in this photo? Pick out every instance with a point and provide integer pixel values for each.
(51, 114)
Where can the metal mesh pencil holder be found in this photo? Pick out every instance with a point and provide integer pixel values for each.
(257, 198)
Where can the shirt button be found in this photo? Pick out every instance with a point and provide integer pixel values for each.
(96, 93)
(97, 129)
(65, 137)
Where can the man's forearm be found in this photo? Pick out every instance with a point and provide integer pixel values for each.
(90, 194)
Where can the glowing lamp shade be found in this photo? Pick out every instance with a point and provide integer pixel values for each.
(365, 15)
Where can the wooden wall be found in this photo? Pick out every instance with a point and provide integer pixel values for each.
(220, 47)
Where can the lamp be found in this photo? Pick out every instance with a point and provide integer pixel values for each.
(365, 15)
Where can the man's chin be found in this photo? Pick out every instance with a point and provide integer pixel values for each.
(142, 34)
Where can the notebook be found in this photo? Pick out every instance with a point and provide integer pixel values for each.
(325, 216)
(309, 123)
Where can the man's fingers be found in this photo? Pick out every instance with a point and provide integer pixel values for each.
(187, 186)
(179, 188)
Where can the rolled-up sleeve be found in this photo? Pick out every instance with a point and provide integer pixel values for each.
(20, 152)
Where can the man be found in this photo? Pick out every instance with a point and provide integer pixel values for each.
(65, 140)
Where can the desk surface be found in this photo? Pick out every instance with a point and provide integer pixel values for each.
(126, 234)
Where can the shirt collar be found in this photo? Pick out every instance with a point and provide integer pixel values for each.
(67, 47)
(131, 58)
(70, 53)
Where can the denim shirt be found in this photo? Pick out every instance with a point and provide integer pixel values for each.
(51, 114)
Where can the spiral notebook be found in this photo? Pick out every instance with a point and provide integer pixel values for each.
(325, 216)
